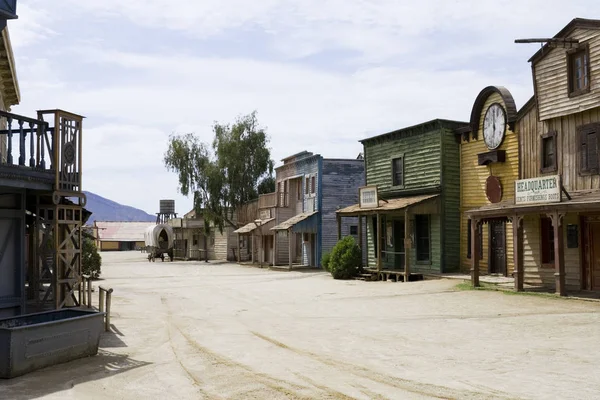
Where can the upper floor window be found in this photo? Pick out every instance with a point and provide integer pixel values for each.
(398, 171)
(299, 189)
(588, 148)
(548, 152)
(307, 186)
(312, 184)
(579, 71)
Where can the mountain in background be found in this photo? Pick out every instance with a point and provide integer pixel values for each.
(107, 210)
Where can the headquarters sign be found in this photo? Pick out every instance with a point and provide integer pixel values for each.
(544, 189)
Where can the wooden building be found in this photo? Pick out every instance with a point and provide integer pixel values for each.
(411, 199)
(489, 154)
(296, 224)
(120, 235)
(41, 202)
(556, 208)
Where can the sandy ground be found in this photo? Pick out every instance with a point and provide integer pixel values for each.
(221, 331)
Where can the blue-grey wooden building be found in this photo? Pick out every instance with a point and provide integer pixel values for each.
(296, 224)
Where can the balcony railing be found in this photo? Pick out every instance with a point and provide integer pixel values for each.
(26, 142)
(267, 200)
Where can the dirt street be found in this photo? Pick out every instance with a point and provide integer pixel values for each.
(222, 331)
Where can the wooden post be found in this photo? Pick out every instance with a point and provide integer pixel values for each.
(517, 223)
(275, 249)
(290, 247)
(378, 242)
(339, 227)
(559, 254)
(407, 244)
(360, 237)
(239, 249)
(475, 252)
(252, 248)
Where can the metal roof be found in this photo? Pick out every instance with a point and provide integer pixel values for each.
(386, 205)
(124, 231)
(285, 225)
(252, 226)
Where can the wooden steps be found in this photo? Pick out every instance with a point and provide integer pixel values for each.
(394, 276)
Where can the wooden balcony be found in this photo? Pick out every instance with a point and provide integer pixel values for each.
(268, 200)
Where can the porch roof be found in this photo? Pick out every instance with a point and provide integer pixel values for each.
(296, 219)
(581, 200)
(248, 228)
(385, 205)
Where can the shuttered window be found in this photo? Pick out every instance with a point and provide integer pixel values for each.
(398, 171)
(588, 148)
(312, 185)
(579, 71)
(548, 152)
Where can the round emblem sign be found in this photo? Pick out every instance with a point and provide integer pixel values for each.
(69, 153)
(493, 189)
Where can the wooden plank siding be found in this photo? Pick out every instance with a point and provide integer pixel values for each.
(340, 182)
(431, 157)
(551, 79)
(530, 131)
(472, 186)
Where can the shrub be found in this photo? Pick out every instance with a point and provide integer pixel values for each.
(325, 261)
(91, 260)
(345, 259)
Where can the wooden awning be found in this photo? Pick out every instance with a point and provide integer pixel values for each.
(581, 200)
(385, 206)
(296, 219)
(249, 228)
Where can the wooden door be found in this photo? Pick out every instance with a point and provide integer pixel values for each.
(593, 264)
(399, 244)
(497, 247)
(10, 267)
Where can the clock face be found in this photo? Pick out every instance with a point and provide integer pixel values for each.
(494, 126)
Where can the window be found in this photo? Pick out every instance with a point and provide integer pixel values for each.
(299, 189)
(195, 240)
(353, 230)
(312, 184)
(548, 152)
(422, 236)
(398, 171)
(547, 235)
(588, 148)
(579, 71)
(286, 185)
(307, 189)
(375, 235)
(480, 244)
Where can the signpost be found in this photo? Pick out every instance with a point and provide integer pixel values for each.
(367, 197)
(544, 189)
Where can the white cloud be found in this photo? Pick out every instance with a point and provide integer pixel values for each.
(31, 26)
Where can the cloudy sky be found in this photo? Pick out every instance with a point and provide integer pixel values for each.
(321, 74)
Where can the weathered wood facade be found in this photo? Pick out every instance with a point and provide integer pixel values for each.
(416, 173)
(479, 166)
(557, 243)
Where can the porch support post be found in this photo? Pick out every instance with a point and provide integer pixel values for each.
(517, 225)
(275, 248)
(290, 248)
(407, 244)
(252, 248)
(239, 243)
(475, 251)
(378, 242)
(339, 226)
(559, 254)
(360, 237)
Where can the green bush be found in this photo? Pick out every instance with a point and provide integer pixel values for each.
(91, 260)
(325, 261)
(345, 259)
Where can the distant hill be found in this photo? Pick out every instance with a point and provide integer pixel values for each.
(107, 210)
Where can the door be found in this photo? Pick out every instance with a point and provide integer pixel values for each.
(592, 272)
(399, 244)
(11, 262)
(497, 247)
(298, 248)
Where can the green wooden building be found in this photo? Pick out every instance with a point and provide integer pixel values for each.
(409, 207)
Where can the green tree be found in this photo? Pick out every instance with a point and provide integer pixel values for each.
(225, 175)
(345, 259)
(267, 185)
(91, 260)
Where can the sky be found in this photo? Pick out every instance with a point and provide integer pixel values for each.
(320, 74)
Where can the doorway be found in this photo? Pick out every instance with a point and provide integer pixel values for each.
(399, 244)
(497, 247)
(591, 260)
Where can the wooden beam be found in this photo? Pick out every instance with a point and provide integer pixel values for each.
(360, 239)
(290, 248)
(517, 223)
(559, 254)
(475, 252)
(378, 242)
(407, 244)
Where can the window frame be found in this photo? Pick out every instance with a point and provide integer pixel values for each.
(550, 135)
(572, 54)
(401, 158)
(313, 187)
(582, 136)
(355, 228)
(418, 239)
(546, 242)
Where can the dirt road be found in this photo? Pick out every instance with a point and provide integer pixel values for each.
(222, 331)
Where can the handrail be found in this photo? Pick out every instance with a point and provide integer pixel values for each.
(102, 306)
(40, 147)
